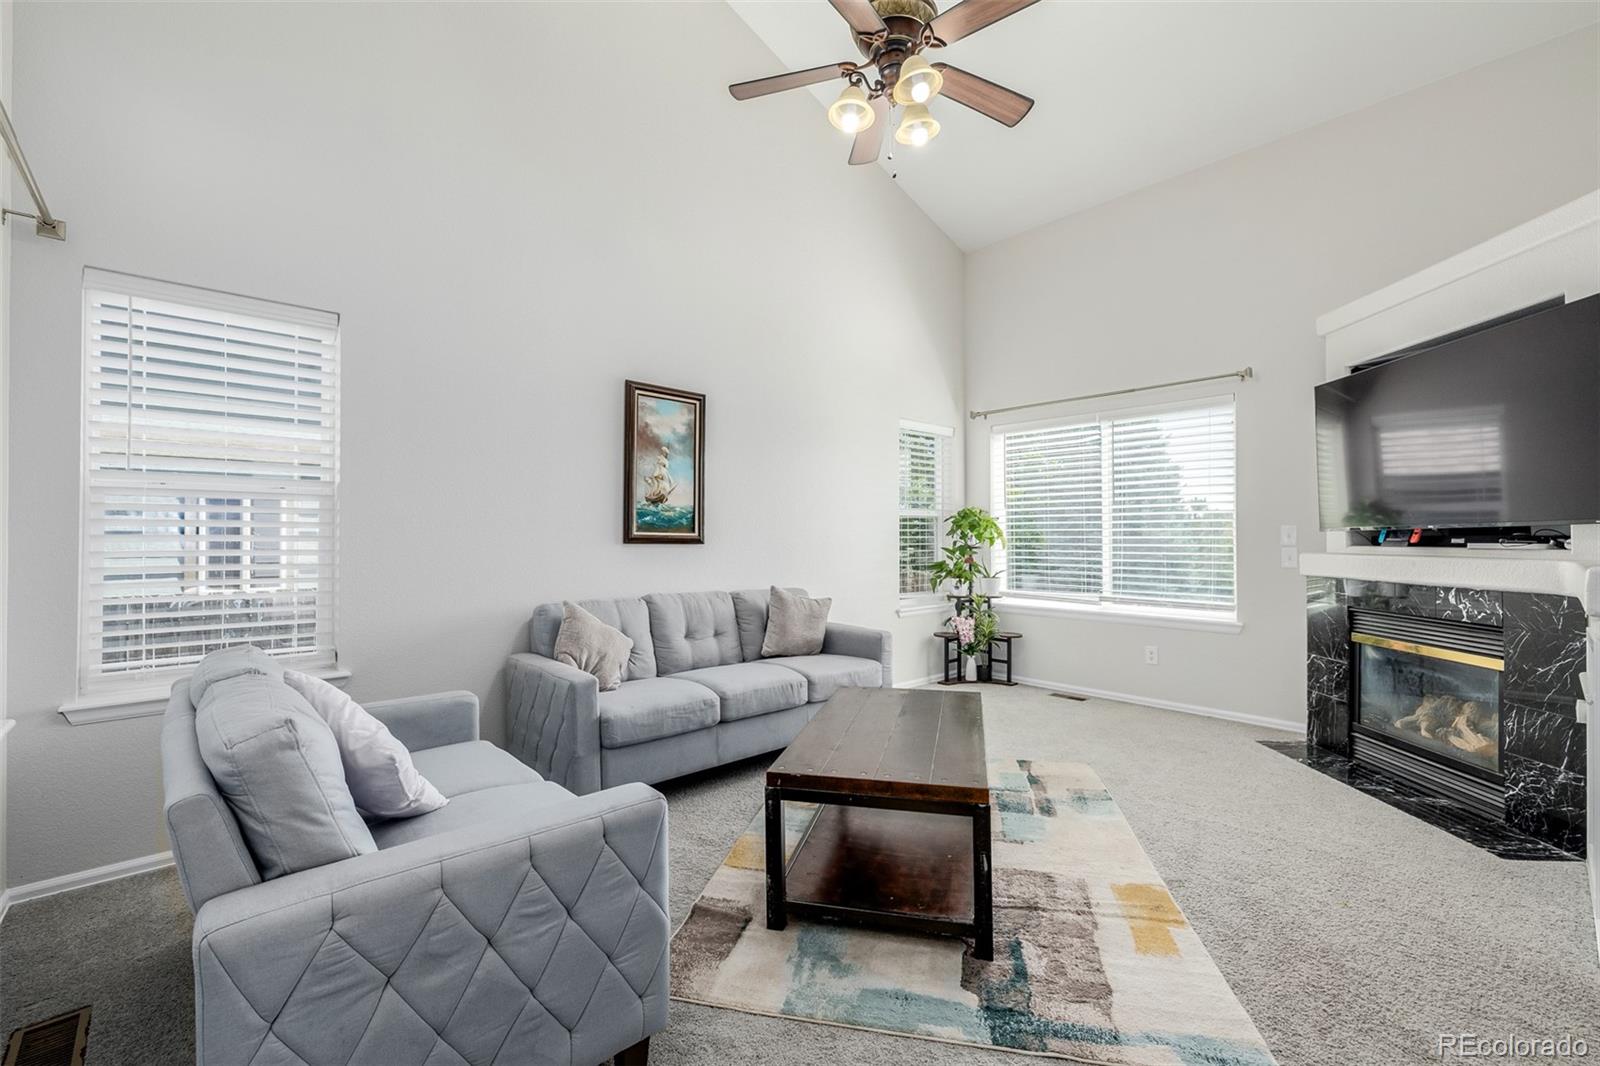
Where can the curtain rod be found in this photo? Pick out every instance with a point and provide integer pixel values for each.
(1243, 375)
(44, 223)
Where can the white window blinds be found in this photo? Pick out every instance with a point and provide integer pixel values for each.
(1172, 507)
(210, 475)
(1051, 510)
(1134, 507)
(924, 492)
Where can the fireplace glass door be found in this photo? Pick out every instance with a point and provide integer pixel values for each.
(1431, 700)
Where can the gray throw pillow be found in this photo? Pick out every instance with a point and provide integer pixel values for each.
(796, 623)
(592, 646)
(278, 765)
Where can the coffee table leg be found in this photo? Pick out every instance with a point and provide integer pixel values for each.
(982, 886)
(776, 918)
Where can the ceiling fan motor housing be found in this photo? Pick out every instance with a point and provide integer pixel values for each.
(905, 20)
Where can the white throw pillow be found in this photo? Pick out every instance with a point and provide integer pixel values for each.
(592, 646)
(383, 780)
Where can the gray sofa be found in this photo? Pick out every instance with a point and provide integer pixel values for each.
(696, 692)
(518, 923)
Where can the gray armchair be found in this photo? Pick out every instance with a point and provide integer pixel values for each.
(518, 923)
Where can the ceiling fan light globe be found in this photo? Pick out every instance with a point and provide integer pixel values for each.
(918, 83)
(851, 112)
(917, 127)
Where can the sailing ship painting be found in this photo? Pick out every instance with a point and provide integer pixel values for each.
(663, 452)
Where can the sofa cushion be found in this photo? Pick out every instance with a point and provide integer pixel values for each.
(469, 810)
(627, 614)
(749, 689)
(278, 765)
(796, 624)
(652, 708)
(692, 629)
(590, 645)
(230, 662)
(472, 766)
(750, 614)
(826, 674)
(378, 769)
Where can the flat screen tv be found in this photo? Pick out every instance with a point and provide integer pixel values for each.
(1498, 426)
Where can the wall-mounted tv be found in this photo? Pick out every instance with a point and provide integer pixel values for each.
(1498, 426)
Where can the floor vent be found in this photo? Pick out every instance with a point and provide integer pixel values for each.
(58, 1041)
(1069, 696)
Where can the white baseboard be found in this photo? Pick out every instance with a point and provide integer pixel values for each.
(1166, 705)
(918, 682)
(83, 879)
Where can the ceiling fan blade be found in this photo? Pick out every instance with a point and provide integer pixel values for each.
(970, 16)
(869, 142)
(795, 79)
(983, 95)
(861, 15)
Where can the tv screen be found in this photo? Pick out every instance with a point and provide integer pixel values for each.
(1498, 427)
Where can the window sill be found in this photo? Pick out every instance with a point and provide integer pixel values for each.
(1206, 621)
(909, 608)
(148, 701)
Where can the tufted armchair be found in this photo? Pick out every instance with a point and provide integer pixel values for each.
(519, 924)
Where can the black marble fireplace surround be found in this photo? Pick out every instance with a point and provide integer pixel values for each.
(1543, 746)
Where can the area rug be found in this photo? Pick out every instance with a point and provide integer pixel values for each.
(1094, 962)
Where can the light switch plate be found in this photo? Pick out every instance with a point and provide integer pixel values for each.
(1289, 558)
(1288, 536)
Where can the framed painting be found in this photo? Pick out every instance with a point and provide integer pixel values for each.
(663, 465)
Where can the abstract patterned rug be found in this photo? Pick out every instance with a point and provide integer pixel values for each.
(1094, 961)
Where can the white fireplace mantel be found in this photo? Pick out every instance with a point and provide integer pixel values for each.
(1559, 573)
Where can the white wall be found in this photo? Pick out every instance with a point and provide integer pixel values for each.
(1230, 266)
(514, 208)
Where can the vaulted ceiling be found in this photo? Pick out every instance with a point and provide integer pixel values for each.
(1132, 93)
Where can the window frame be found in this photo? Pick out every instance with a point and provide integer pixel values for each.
(1104, 605)
(927, 600)
(99, 696)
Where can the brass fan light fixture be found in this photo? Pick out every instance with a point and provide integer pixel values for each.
(892, 35)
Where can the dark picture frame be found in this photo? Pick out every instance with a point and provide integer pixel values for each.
(663, 446)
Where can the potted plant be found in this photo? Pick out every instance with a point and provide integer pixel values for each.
(971, 531)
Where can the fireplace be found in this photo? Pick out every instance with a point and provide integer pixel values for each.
(1463, 706)
(1426, 703)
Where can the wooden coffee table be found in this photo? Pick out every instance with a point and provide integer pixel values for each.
(902, 838)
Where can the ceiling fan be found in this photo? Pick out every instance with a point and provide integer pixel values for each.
(892, 35)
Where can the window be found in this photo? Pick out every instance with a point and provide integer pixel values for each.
(924, 503)
(1131, 507)
(209, 482)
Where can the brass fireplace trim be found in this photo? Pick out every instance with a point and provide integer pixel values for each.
(1429, 651)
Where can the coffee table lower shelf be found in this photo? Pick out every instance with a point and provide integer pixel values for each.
(878, 862)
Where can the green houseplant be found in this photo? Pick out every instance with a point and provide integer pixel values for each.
(971, 530)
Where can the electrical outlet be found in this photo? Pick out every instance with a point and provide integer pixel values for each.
(1288, 536)
(1289, 558)
(1150, 657)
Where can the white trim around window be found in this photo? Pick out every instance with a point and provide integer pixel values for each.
(209, 473)
(1122, 515)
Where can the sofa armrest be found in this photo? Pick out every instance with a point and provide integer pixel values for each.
(863, 643)
(546, 920)
(421, 722)
(553, 720)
